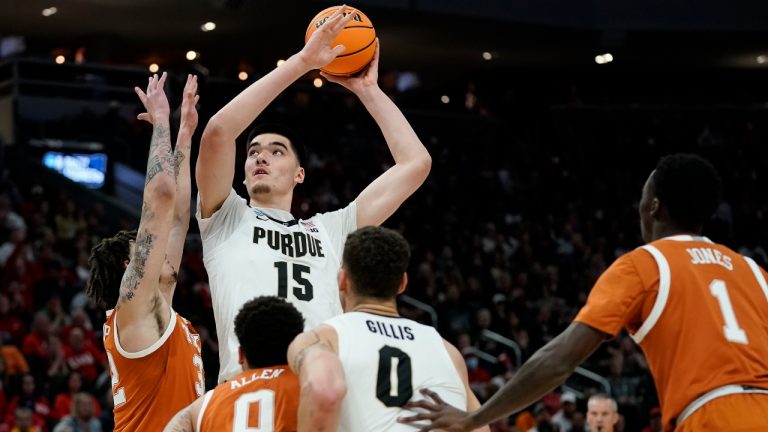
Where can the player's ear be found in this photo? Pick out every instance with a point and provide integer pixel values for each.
(342, 280)
(299, 178)
(125, 263)
(240, 356)
(655, 208)
(403, 284)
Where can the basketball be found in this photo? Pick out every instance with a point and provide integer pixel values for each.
(358, 36)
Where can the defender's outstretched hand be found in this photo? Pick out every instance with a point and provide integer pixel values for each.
(189, 106)
(442, 416)
(154, 100)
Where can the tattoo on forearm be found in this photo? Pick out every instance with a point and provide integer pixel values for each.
(298, 362)
(135, 272)
(160, 156)
(178, 159)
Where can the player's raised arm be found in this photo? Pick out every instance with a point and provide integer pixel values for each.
(181, 153)
(216, 162)
(313, 357)
(142, 312)
(544, 371)
(412, 161)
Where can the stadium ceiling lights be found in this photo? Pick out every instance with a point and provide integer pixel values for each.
(209, 26)
(49, 11)
(604, 58)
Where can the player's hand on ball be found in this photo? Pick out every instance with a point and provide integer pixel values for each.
(319, 50)
(367, 78)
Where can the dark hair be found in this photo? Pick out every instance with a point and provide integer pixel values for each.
(375, 259)
(690, 188)
(107, 265)
(293, 138)
(265, 326)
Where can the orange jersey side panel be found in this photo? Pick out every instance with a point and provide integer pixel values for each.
(262, 399)
(150, 387)
(737, 412)
(712, 330)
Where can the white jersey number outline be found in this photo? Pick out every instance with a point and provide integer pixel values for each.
(733, 333)
(266, 400)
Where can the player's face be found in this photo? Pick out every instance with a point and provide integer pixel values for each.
(644, 208)
(271, 166)
(601, 416)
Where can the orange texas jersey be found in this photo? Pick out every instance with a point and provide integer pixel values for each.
(149, 387)
(697, 309)
(257, 399)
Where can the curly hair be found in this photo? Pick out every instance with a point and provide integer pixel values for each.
(375, 259)
(107, 265)
(690, 188)
(265, 326)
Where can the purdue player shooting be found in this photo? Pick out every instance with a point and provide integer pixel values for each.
(255, 246)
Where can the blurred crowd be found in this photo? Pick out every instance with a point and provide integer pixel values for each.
(523, 210)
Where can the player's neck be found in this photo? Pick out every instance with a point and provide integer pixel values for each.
(273, 201)
(668, 230)
(380, 307)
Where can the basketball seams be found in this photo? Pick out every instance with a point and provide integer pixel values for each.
(359, 50)
(358, 53)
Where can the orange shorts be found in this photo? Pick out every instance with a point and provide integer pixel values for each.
(736, 412)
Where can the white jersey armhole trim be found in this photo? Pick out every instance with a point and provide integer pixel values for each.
(152, 348)
(206, 399)
(758, 275)
(661, 297)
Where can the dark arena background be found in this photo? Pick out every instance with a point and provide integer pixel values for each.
(543, 120)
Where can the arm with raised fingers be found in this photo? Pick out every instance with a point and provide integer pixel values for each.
(143, 313)
(215, 165)
(544, 371)
(377, 202)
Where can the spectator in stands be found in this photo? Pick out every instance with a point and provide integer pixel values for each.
(82, 418)
(16, 244)
(543, 419)
(62, 405)
(9, 219)
(84, 357)
(15, 363)
(56, 316)
(578, 422)
(81, 321)
(564, 416)
(23, 421)
(654, 424)
(602, 413)
(29, 399)
(57, 361)
(35, 346)
(9, 322)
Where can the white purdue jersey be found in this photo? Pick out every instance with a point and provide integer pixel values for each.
(251, 252)
(386, 361)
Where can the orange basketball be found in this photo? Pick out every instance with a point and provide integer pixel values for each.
(358, 36)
